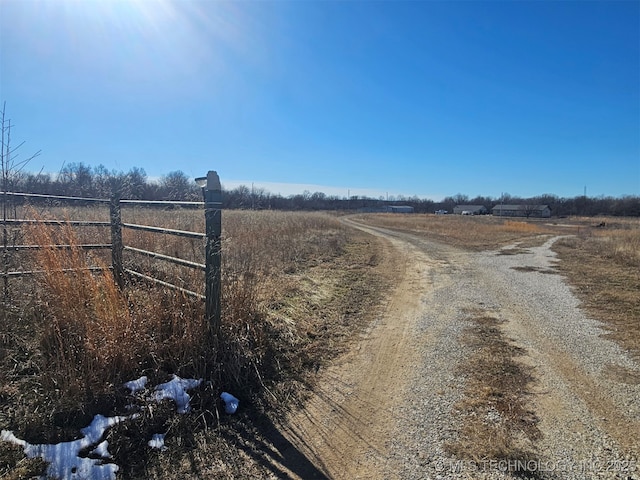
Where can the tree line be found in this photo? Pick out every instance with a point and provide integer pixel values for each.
(81, 180)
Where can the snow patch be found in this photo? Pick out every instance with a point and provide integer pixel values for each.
(63, 458)
(230, 402)
(102, 450)
(136, 385)
(176, 389)
(157, 441)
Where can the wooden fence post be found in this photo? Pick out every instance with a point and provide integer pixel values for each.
(116, 239)
(213, 219)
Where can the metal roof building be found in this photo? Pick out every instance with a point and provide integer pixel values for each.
(538, 211)
(471, 209)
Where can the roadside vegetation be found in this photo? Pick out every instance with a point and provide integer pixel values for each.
(603, 264)
(470, 232)
(296, 287)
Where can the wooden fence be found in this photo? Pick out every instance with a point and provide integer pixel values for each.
(212, 236)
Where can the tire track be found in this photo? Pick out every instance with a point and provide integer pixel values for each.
(386, 409)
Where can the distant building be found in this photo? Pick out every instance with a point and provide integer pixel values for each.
(538, 211)
(387, 209)
(470, 210)
(399, 209)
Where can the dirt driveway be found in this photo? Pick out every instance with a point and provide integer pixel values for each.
(390, 408)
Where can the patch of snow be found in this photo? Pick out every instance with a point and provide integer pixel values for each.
(230, 402)
(63, 458)
(157, 441)
(102, 450)
(7, 436)
(94, 432)
(176, 390)
(137, 385)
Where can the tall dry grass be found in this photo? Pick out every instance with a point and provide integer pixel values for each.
(294, 286)
(94, 336)
(520, 227)
(620, 245)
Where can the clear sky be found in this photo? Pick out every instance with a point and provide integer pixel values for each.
(427, 98)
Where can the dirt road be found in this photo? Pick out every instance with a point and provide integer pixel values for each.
(388, 408)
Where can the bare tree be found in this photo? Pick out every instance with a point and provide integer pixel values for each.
(177, 186)
(11, 166)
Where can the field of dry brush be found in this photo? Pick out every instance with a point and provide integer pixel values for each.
(296, 287)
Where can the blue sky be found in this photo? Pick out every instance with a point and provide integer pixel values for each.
(427, 98)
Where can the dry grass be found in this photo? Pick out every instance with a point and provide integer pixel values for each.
(94, 334)
(295, 286)
(14, 466)
(604, 267)
(471, 232)
(521, 227)
(497, 424)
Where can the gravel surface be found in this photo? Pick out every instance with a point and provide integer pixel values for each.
(587, 417)
(387, 409)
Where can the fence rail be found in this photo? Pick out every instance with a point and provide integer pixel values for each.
(211, 267)
(179, 233)
(164, 284)
(160, 256)
(20, 273)
(73, 223)
(162, 202)
(88, 246)
(55, 197)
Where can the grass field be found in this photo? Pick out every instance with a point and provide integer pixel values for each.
(296, 287)
(604, 267)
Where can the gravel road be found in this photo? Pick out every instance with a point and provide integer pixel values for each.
(386, 409)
